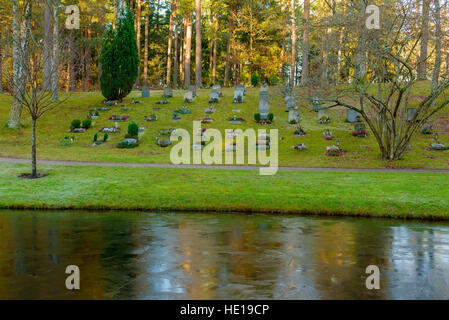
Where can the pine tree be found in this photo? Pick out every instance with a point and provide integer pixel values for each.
(119, 58)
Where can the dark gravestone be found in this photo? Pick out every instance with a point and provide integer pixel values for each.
(316, 103)
(238, 93)
(145, 92)
(352, 116)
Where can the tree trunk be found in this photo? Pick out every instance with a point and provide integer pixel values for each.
(175, 62)
(198, 76)
(340, 44)
(325, 58)
(170, 40)
(138, 18)
(145, 58)
(20, 57)
(47, 45)
(283, 37)
(422, 66)
(293, 58)
(188, 49)
(361, 45)
(33, 149)
(71, 65)
(182, 49)
(228, 50)
(214, 59)
(438, 36)
(55, 53)
(305, 45)
(1, 68)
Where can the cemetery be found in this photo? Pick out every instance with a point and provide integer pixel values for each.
(323, 114)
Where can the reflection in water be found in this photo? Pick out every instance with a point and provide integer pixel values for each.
(219, 256)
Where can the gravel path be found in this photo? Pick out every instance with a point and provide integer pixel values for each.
(197, 166)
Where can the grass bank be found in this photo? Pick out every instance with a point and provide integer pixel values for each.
(377, 194)
(361, 152)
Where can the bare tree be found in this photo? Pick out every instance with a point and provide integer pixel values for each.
(383, 97)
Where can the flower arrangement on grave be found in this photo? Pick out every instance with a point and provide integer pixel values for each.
(427, 129)
(165, 101)
(360, 133)
(327, 135)
(131, 138)
(269, 119)
(133, 101)
(211, 109)
(263, 142)
(324, 120)
(300, 147)
(183, 110)
(334, 151)
(152, 117)
(439, 146)
(110, 129)
(207, 119)
(76, 126)
(67, 141)
(99, 109)
(93, 115)
(166, 132)
(293, 121)
(239, 99)
(110, 103)
(300, 132)
(201, 131)
(115, 117)
(175, 116)
(235, 120)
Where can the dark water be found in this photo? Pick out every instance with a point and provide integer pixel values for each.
(219, 256)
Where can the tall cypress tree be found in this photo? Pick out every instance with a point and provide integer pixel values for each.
(119, 58)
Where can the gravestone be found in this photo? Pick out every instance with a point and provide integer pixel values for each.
(193, 90)
(359, 127)
(293, 114)
(242, 88)
(145, 92)
(216, 88)
(214, 96)
(316, 103)
(263, 105)
(323, 113)
(168, 92)
(291, 103)
(188, 96)
(411, 113)
(352, 116)
(238, 93)
(264, 88)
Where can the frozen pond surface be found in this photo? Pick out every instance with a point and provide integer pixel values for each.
(126, 255)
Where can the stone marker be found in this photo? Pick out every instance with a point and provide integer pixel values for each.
(291, 103)
(238, 93)
(352, 116)
(145, 92)
(193, 89)
(263, 105)
(316, 102)
(293, 114)
(411, 113)
(242, 88)
(188, 96)
(323, 113)
(168, 92)
(264, 88)
(213, 97)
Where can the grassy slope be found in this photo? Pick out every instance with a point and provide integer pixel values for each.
(412, 195)
(53, 127)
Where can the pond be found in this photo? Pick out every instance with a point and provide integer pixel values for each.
(135, 255)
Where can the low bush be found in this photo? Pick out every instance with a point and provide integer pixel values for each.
(86, 123)
(75, 124)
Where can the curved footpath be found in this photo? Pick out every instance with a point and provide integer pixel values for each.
(203, 166)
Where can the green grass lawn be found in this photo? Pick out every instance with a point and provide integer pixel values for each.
(362, 153)
(380, 194)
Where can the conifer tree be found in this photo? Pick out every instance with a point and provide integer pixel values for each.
(119, 58)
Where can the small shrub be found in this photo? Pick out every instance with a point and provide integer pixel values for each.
(105, 137)
(270, 117)
(133, 130)
(274, 80)
(75, 124)
(257, 117)
(95, 137)
(255, 79)
(86, 123)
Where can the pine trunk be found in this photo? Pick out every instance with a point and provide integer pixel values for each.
(198, 76)
(48, 36)
(145, 58)
(33, 149)
(170, 40)
(438, 36)
(175, 61)
(422, 66)
(188, 48)
(293, 57)
(138, 14)
(228, 50)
